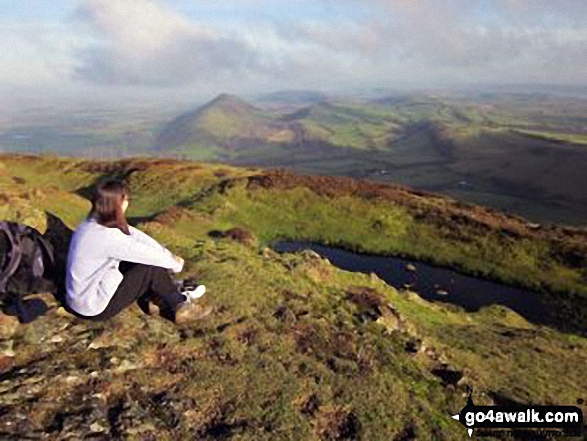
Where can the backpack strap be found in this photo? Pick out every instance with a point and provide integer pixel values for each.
(34, 234)
(15, 254)
(48, 248)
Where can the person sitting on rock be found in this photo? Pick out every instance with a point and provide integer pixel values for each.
(111, 264)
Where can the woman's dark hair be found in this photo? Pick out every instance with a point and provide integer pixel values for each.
(107, 204)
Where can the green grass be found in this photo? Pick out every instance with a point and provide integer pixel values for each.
(355, 126)
(301, 214)
(224, 126)
(557, 137)
(285, 333)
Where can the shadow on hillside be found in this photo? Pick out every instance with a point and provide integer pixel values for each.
(121, 172)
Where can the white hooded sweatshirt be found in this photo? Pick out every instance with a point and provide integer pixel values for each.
(92, 263)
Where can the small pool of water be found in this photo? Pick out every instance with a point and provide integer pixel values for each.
(434, 283)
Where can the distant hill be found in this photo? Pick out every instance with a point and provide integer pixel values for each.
(522, 153)
(230, 124)
(227, 123)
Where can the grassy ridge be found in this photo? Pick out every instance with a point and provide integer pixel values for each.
(391, 220)
(386, 227)
(556, 137)
(297, 349)
(518, 153)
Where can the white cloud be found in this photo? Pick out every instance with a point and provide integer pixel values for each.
(511, 41)
(32, 53)
(151, 47)
(139, 42)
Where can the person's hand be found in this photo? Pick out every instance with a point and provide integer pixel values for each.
(179, 259)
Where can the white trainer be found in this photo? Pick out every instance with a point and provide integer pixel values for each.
(194, 294)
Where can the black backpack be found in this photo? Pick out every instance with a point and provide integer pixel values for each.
(27, 266)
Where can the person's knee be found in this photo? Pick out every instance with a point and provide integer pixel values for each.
(161, 273)
(159, 269)
(143, 268)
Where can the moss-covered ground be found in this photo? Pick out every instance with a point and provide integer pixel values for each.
(296, 348)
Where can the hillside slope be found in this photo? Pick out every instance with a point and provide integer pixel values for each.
(296, 348)
(230, 128)
(520, 154)
(225, 123)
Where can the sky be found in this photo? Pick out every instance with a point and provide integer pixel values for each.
(187, 49)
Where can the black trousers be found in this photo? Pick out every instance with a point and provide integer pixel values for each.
(143, 284)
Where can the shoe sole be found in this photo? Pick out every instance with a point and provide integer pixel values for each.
(194, 315)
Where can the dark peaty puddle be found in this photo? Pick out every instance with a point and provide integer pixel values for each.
(427, 280)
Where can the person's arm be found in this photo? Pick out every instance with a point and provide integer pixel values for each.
(124, 247)
(143, 237)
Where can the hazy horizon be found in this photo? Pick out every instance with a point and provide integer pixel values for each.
(180, 51)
